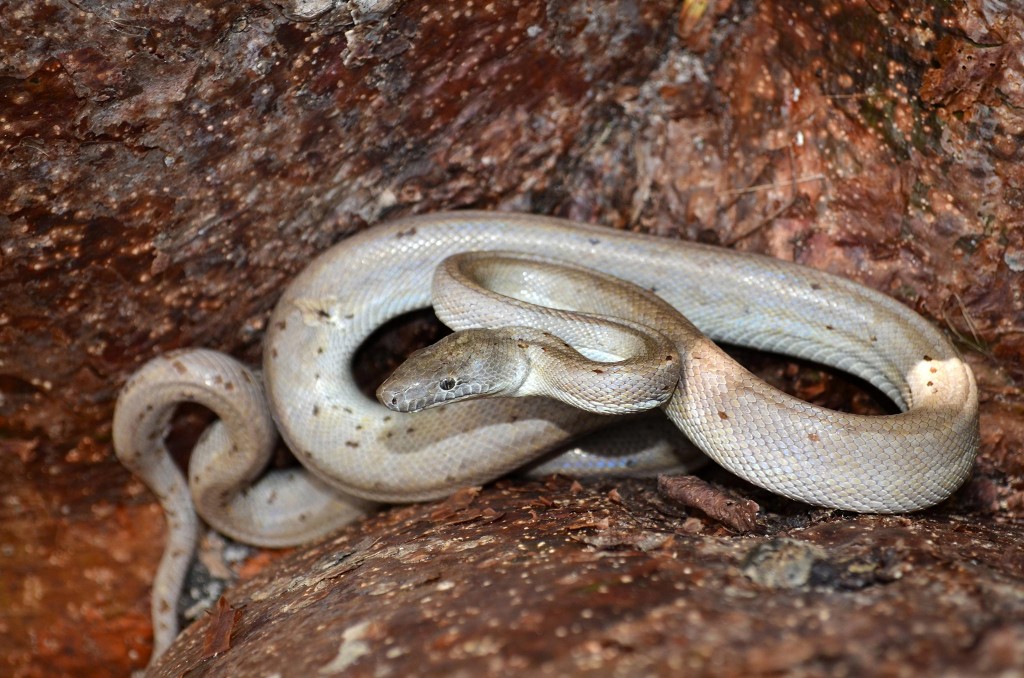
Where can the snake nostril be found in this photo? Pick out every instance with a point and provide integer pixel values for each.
(394, 400)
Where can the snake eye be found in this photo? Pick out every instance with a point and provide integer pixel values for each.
(447, 384)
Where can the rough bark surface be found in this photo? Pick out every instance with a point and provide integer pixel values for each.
(167, 167)
(560, 578)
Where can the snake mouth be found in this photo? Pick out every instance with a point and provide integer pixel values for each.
(399, 402)
(406, 405)
(402, 401)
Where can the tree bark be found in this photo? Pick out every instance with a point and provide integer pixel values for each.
(167, 168)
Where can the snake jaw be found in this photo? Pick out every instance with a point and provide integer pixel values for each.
(420, 395)
(466, 365)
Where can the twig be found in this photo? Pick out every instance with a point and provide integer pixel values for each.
(692, 492)
(774, 184)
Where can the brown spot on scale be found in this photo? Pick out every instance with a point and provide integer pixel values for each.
(316, 410)
(230, 386)
(926, 358)
(281, 325)
(669, 358)
(179, 366)
(813, 437)
(933, 370)
(406, 233)
(829, 327)
(597, 371)
(273, 353)
(815, 286)
(319, 350)
(930, 384)
(410, 430)
(522, 344)
(722, 415)
(351, 443)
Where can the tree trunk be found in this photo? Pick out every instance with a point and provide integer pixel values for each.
(167, 168)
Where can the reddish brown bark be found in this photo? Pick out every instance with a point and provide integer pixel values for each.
(166, 168)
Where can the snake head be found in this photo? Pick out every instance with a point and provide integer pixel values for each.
(469, 364)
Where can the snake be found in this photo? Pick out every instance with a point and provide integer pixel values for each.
(641, 299)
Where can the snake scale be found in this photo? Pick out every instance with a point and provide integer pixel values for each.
(355, 452)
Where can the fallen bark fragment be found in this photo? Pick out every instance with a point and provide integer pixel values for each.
(222, 620)
(714, 502)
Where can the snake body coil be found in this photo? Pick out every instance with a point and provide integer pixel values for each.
(356, 448)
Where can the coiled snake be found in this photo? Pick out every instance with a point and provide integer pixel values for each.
(354, 451)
